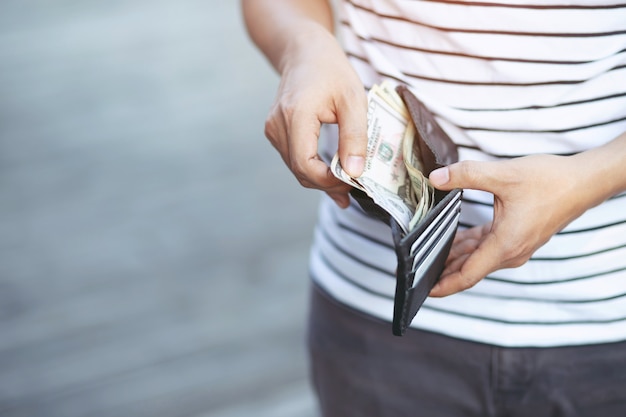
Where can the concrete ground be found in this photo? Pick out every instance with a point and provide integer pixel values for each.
(153, 246)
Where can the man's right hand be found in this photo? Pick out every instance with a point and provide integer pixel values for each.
(318, 85)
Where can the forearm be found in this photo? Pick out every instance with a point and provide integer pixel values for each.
(281, 27)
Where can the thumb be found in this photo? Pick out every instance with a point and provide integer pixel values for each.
(352, 120)
(466, 174)
(480, 263)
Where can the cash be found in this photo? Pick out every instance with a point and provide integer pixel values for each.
(392, 176)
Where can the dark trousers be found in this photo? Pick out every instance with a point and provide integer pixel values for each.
(359, 369)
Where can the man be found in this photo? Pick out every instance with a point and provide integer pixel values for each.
(534, 95)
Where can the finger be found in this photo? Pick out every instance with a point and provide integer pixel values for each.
(276, 133)
(476, 232)
(304, 161)
(454, 265)
(340, 193)
(341, 199)
(466, 241)
(469, 174)
(463, 247)
(352, 119)
(477, 265)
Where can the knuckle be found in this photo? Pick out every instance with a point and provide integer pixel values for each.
(515, 256)
(279, 116)
(297, 168)
(287, 108)
(357, 93)
(273, 126)
(468, 283)
(301, 174)
(287, 113)
(305, 182)
(270, 128)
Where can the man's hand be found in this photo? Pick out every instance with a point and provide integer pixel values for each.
(534, 198)
(318, 85)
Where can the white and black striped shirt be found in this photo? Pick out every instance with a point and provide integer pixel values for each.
(505, 79)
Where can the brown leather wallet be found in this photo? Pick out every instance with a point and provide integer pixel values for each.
(422, 252)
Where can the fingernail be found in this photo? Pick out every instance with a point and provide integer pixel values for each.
(354, 165)
(440, 176)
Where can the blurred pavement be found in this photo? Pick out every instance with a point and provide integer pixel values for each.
(153, 246)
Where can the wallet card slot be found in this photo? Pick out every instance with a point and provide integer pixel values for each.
(423, 266)
(413, 288)
(434, 224)
(432, 243)
(406, 240)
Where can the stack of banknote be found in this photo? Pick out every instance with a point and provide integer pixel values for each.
(393, 175)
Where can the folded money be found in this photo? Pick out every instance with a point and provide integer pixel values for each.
(392, 176)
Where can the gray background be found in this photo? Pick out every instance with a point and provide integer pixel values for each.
(153, 246)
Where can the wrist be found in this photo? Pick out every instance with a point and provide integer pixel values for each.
(602, 170)
(308, 39)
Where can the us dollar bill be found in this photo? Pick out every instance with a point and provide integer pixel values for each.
(392, 176)
(422, 189)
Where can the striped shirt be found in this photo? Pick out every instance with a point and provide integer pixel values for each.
(504, 79)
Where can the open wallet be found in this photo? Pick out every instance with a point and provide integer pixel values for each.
(423, 250)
